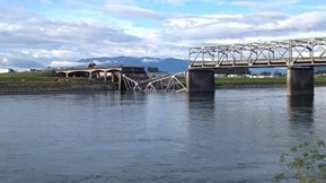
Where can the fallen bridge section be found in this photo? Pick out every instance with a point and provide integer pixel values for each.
(174, 82)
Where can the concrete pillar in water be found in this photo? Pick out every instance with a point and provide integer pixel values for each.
(112, 77)
(300, 81)
(200, 81)
(105, 76)
(121, 86)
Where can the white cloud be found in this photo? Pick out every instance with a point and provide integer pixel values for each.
(216, 28)
(4, 60)
(266, 5)
(305, 22)
(126, 11)
(184, 2)
(176, 2)
(55, 54)
(65, 64)
(28, 38)
(150, 60)
(194, 21)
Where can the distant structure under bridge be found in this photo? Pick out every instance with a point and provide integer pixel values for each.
(128, 78)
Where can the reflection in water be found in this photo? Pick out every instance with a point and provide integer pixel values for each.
(201, 106)
(131, 97)
(198, 97)
(301, 111)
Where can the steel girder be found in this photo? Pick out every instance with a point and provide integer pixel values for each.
(166, 83)
(289, 53)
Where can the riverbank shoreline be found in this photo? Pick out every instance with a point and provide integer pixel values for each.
(235, 86)
(231, 86)
(44, 89)
(25, 89)
(48, 82)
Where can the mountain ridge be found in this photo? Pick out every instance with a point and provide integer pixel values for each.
(171, 65)
(166, 65)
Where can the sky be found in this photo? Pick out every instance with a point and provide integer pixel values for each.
(54, 33)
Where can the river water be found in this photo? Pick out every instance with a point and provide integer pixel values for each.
(233, 135)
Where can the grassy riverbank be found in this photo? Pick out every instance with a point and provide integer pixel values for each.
(45, 81)
(35, 77)
(49, 81)
(318, 80)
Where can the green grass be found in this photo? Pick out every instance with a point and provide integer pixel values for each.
(49, 78)
(261, 81)
(250, 81)
(320, 80)
(36, 77)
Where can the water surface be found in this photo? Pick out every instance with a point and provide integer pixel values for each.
(233, 135)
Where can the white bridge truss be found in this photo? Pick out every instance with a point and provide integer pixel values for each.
(291, 53)
(172, 82)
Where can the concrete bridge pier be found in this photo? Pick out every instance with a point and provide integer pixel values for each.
(200, 81)
(112, 77)
(300, 81)
(90, 74)
(121, 86)
(111, 74)
(105, 76)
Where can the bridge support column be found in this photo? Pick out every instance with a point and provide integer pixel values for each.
(300, 81)
(122, 86)
(200, 81)
(90, 75)
(105, 76)
(112, 77)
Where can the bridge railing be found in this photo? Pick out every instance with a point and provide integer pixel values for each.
(300, 52)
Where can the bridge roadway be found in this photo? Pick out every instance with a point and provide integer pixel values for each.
(115, 73)
(96, 71)
(309, 52)
(73, 71)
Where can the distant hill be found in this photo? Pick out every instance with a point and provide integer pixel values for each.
(171, 65)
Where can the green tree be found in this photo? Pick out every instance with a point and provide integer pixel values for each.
(306, 162)
(239, 71)
(152, 69)
(91, 65)
(265, 73)
(277, 74)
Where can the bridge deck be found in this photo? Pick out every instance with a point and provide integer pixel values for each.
(107, 68)
(290, 53)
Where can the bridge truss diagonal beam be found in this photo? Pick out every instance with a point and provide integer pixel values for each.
(167, 83)
(289, 53)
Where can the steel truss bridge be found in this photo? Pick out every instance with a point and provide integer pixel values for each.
(290, 53)
(171, 82)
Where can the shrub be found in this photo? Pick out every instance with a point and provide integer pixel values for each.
(306, 162)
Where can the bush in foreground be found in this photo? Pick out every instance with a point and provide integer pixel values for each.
(306, 163)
